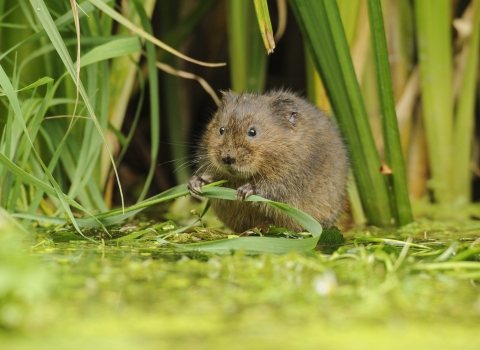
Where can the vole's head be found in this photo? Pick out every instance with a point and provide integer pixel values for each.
(249, 135)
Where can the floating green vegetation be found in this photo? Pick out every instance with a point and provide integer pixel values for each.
(415, 282)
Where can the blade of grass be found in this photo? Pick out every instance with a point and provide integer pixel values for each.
(456, 265)
(177, 28)
(6, 216)
(114, 48)
(251, 245)
(263, 17)
(399, 199)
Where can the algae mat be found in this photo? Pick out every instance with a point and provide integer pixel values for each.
(416, 287)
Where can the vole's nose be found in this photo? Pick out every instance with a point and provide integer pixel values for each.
(228, 160)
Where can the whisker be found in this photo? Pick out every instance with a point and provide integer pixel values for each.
(172, 161)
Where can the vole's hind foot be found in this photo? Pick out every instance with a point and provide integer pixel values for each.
(245, 191)
(194, 185)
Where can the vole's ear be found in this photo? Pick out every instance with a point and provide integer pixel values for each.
(285, 108)
(228, 96)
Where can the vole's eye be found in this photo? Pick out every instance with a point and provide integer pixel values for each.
(222, 130)
(252, 132)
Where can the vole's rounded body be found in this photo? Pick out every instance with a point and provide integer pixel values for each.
(280, 147)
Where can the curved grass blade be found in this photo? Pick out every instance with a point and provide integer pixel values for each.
(302, 218)
(252, 245)
(115, 48)
(142, 33)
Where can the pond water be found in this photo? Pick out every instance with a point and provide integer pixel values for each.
(381, 289)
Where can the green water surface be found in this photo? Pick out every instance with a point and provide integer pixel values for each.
(140, 295)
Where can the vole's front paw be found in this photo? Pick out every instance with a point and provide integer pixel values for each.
(194, 185)
(245, 191)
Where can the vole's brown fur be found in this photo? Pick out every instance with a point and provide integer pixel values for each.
(280, 147)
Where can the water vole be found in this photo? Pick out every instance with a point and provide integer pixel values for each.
(278, 146)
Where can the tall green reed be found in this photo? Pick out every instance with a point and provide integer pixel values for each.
(435, 61)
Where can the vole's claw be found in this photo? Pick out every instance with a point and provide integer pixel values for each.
(194, 185)
(244, 191)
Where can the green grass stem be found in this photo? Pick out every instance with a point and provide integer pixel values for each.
(465, 115)
(432, 18)
(247, 57)
(399, 198)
